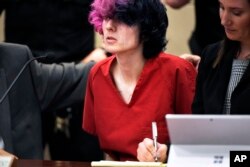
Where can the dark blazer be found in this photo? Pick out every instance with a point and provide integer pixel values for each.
(40, 87)
(212, 83)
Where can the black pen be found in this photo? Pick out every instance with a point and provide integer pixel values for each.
(155, 134)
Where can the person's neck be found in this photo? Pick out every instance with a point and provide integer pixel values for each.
(126, 71)
(244, 52)
(130, 66)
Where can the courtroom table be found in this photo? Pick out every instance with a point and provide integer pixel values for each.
(46, 163)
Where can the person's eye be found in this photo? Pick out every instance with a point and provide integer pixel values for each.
(237, 12)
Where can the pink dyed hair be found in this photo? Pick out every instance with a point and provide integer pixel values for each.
(101, 9)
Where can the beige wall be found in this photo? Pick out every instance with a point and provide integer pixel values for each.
(1, 27)
(181, 24)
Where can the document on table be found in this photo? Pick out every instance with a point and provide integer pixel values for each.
(127, 164)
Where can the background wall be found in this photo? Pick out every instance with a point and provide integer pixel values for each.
(181, 23)
(1, 27)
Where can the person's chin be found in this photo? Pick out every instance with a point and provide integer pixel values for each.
(232, 37)
(111, 49)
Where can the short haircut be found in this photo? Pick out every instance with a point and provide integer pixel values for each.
(149, 15)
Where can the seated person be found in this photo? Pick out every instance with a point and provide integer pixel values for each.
(139, 83)
(40, 87)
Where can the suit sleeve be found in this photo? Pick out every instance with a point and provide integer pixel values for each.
(209, 54)
(60, 85)
(197, 106)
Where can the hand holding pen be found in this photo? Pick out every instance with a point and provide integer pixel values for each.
(150, 150)
(145, 151)
(155, 134)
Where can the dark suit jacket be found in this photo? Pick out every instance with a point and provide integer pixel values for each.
(212, 83)
(40, 87)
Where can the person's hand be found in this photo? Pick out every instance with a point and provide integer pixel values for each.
(146, 152)
(96, 55)
(194, 59)
(5, 153)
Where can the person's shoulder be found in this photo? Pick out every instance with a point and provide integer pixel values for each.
(173, 65)
(210, 52)
(213, 47)
(11, 46)
(174, 61)
(11, 49)
(171, 58)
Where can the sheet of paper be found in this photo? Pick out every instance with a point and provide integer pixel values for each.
(127, 164)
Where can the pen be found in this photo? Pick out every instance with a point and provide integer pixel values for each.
(154, 131)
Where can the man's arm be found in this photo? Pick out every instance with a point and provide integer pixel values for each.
(69, 83)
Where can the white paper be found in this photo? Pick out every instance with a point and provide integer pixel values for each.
(127, 164)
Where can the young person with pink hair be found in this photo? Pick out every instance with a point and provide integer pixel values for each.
(139, 83)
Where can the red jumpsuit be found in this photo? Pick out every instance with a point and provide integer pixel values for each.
(165, 86)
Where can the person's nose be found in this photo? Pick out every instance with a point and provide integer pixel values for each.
(110, 25)
(225, 18)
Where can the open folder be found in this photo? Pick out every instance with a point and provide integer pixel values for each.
(127, 164)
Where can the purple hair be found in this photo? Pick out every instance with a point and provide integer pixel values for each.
(101, 9)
